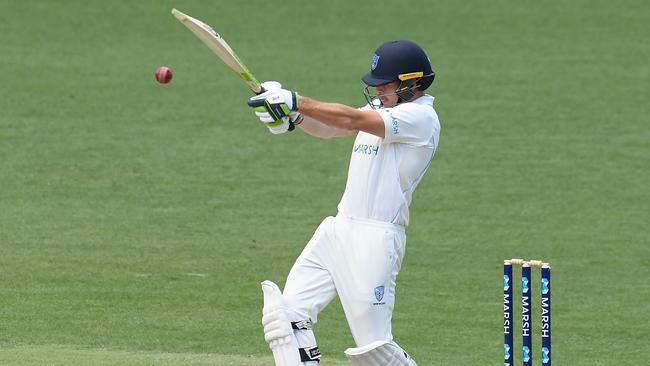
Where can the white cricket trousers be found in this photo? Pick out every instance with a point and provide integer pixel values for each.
(359, 260)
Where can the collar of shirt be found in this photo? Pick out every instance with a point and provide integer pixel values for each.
(426, 99)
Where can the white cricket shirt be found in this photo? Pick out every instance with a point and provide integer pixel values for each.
(383, 173)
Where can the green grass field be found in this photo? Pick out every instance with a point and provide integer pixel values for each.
(137, 220)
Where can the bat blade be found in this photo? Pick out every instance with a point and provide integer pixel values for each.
(219, 47)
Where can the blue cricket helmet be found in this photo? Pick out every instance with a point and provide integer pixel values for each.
(400, 60)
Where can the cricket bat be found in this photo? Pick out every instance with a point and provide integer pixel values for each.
(220, 47)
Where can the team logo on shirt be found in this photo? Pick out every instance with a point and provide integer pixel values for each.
(375, 61)
(379, 295)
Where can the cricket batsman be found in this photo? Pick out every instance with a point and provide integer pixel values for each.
(358, 253)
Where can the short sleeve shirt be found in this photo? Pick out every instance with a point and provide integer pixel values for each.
(383, 173)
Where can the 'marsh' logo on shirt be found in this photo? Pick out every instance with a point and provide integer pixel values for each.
(395, 127)
(366, 149)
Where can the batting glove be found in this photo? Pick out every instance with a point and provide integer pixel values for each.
(281, 126)
(275, 126)
(278, 102)
(270, 85)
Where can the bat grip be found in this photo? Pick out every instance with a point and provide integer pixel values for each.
(259, 102)
(255, 103)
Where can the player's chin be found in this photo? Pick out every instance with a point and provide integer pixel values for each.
(387, 102)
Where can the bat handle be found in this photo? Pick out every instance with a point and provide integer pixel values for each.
(259, 102)
(255, 103)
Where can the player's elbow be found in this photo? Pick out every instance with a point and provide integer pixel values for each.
(353, 125)
(326, 135)
(367, 121)
(355, 122)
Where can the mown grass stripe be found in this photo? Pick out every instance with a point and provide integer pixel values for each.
(63, 355)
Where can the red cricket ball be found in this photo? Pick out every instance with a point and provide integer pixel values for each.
(163, 74)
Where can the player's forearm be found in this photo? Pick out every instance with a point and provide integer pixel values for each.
(331, 114)
(342, 117)
(316, 128)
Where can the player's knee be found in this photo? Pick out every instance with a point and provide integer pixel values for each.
(298, 309)
(379, 353)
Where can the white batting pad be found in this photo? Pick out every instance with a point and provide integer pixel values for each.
(379, 353)
(277, 328)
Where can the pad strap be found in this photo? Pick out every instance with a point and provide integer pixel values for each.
(309, 354)
(302, 325)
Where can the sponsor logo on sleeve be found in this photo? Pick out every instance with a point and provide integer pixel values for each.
(394, 125)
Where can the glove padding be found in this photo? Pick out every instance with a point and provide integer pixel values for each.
(276, 122)
(278, 102)
(270, 85)
(276, 127)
